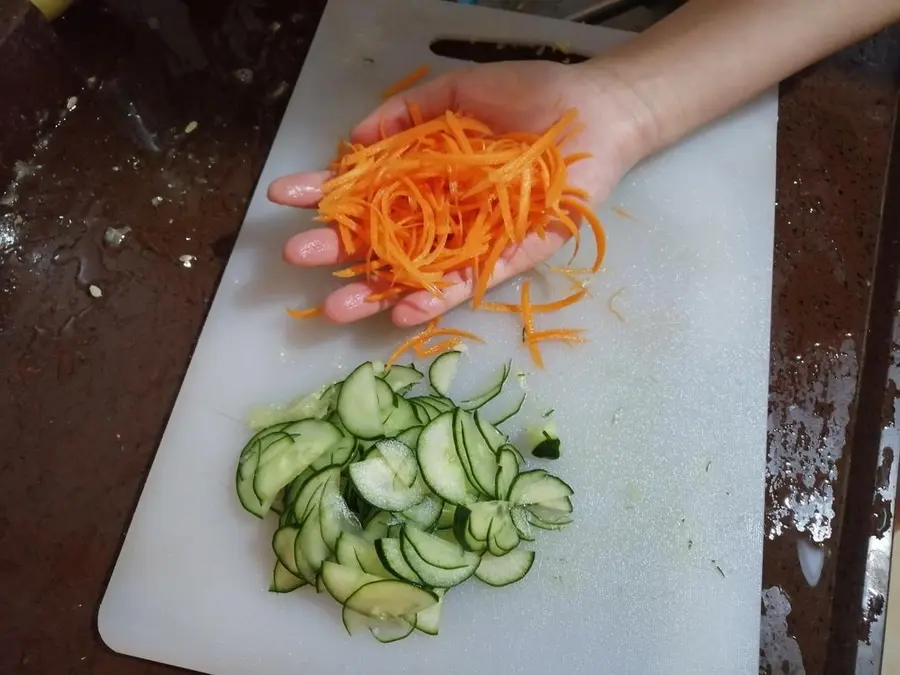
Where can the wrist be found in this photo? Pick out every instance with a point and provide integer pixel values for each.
(636, 126)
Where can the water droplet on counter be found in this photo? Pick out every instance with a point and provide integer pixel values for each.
(156, 201)
(191, 127)
(71, 103)
(187, 260)
(95, 291)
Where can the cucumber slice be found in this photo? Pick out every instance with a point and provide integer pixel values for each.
(307, 501)
(401, 417)
(563, 504)
(317, 405)
(512, 412)
(506, 569)
(283, 581)
(410, 437)
(402, 378)
(535, 487)
(429, 620)
(476, 454)
(424, 410)
(282, 462)
(437, 562)
(443, 370)
(504, 537)
(339, 455)
(435, 576)
(491, 392)
(391, 556)
(440, 463)
(492, 436)
(519, 517)
(390, 598)
(377, 526)
(310, 550)
(341, 581)
(385, 630)
(446, 518)
(246, 469)
(358, 404)
(386, 486)
(283, 545)
(357, 552)
(550, 516)
(426, 513)
(507, 470)
(439, 402)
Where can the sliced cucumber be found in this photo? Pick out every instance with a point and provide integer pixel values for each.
(429, 620)
(389, 599)
(386, 486)
(385, 630)
(410, 437)
(341, 581)
(283, 544)
(426, 513)
(512, 412)
(377, 526)
(492, 436)
(520, 519)
(283, 581)
(355, 551)
(491, 392)
(358, 403)
(443, 370)
(535, 487)
(437, 562)
(401, 417)
(282, 461)
(391, 556)
(246, 471)
(440, 463)
(402, 378)
(478, 459)
(506, 569)
(507, 470)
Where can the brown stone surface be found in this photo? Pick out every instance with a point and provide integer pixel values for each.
(89, 382)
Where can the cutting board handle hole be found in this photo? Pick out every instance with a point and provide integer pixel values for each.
(487, 51)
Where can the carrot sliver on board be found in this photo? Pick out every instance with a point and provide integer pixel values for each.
(406, 81)
(448, 198)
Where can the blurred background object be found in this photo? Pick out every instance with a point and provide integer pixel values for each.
(52, 9)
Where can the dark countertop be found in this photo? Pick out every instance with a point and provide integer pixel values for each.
(97, 138)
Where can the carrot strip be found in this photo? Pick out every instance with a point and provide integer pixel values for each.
(304, 313)
(541, 308)
(406, 81)
(440, 347)
(562, 335)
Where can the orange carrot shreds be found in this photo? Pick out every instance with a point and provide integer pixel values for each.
(304, 313)
(541, 308)
(525, 310)
(455, 333)
(618, 210)
(447, 195)
(439, 347)
(406, 81)
(564, 335)
(406, 345)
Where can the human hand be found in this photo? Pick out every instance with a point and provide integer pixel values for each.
(508, 96)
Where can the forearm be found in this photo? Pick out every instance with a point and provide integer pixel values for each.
(711, 56)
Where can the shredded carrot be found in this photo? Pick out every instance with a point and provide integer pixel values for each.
(418, 342)
(406, 81)
(541, 308)
(622, 212)
(565, 335)
(450, 195)
(304, 313)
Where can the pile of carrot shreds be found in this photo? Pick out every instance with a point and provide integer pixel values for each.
(450, 195)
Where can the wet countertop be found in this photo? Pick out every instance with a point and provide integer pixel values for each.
(131, 137)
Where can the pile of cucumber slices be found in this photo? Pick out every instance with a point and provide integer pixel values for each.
(387, 500)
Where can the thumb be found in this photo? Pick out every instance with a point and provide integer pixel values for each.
(432, 98)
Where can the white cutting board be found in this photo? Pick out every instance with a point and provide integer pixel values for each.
(663, 414)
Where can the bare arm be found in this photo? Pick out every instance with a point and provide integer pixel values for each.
(711, 56)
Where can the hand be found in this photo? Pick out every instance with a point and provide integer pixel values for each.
(509, 96)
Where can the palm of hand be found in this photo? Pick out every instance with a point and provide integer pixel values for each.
(523, 96)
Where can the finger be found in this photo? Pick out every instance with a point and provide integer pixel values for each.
(432, 98)
(298, 189)
(423, 306)
(314, 248)
(349, 303)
